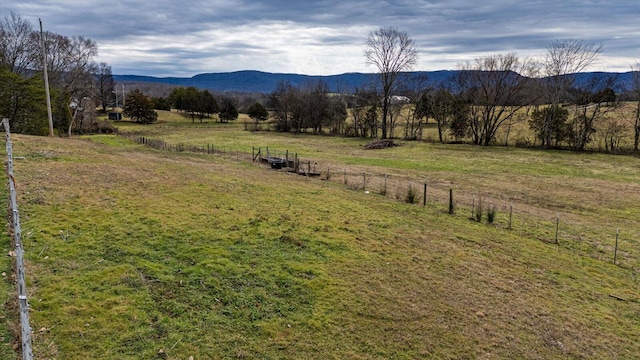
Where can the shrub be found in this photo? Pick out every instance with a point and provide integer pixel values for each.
(411, 195)
(491, 213)
(478, 211)
(104, 127)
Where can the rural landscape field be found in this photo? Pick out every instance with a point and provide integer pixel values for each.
(134, 252)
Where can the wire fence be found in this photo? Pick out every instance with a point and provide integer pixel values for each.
(555, 227)
(559, 228)
(15, 230)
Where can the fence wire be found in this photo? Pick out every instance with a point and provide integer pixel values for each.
(25, 328)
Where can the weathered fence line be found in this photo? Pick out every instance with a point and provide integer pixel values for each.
(541, 223)
(27, 351)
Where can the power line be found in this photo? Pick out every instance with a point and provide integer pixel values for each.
(46, 80)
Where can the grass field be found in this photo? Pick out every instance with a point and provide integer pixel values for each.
(132, 250)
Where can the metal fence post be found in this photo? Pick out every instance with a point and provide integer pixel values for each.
(27, 351)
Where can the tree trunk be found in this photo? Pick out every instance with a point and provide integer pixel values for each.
(385, 110)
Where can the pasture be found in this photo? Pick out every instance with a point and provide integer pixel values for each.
(138, 253)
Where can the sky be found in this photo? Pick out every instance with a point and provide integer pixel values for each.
(184, 38)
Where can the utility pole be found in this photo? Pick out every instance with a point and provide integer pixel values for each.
(123, 97)
(46, 79)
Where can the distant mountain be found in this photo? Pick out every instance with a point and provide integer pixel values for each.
(264, 82)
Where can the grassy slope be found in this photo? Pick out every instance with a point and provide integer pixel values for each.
(9, 317)
(132, 250)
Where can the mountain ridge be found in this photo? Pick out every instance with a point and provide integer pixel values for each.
(266, 82)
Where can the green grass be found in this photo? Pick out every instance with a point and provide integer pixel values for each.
(9, 317)
(132, 250)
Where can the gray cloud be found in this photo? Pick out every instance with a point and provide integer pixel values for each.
(180, 38)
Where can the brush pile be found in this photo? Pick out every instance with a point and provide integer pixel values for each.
(380, 144)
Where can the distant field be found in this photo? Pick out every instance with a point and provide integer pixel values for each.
(132, 250)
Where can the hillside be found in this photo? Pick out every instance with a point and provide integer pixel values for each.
(132, 250)
(264, 82)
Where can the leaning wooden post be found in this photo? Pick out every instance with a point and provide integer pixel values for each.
(385, 184)
(473, 207)
(451, 210)
(364, 180)
(557, 227)
(510, 214)
(615, 252)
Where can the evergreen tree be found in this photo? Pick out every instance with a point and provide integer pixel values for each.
(140, 108)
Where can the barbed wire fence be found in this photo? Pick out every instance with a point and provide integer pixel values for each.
(16, 232)
(558, 228)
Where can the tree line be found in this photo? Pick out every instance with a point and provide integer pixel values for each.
(78, 83)
(486, 97)
(199, 104)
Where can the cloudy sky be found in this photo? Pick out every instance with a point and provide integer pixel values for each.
(188, 37)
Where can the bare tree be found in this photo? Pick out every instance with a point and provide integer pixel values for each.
(442, 106)
(316, 105)
(415, 88)
(362, 100)
(18, 47)
(69, 60)
(636, 94)
(284, 103)
(105, 85)
(613, 132)
(592, 102)
(392, 52)
(495, 86)
(564, 58)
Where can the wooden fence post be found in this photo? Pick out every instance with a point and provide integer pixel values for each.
(510, 214)
(557, 227)
(385, 184)
(473, 207)
(424, 195)
(451, 210)
(615, 252)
